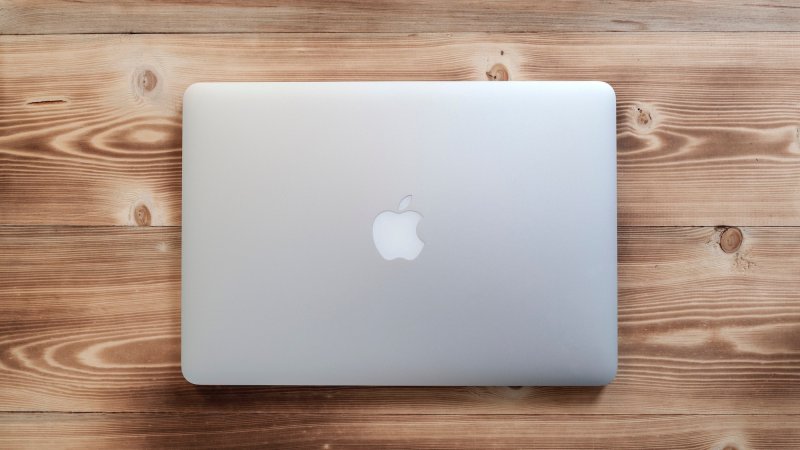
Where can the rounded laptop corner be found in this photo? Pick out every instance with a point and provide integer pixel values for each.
(190, 375)
(609, 374)
(606, 89)
(193, 89)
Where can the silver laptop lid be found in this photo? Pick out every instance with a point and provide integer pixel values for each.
(399, 233)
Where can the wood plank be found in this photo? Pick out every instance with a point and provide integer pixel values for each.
(89, 321)
(709, 124)
(165, 16)
(331, 431)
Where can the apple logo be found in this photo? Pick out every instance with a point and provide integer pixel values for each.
(395, 233)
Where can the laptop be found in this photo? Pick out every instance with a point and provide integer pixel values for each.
(399, 233)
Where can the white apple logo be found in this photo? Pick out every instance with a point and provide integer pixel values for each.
(395, 233)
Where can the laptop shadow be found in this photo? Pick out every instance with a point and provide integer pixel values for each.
(394, 399)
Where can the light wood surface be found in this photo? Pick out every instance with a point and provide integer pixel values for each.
(709, 210)
(417, 16)
(323, 431)
(709, 124)
(91, 322)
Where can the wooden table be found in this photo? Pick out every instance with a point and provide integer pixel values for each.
(709, 215)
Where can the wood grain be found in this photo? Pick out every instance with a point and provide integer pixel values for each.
(322, 431)
(170, 16)
(90, 322)
(708, 134)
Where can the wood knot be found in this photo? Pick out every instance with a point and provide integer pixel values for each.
(731, 239)
(148, 80)
(498, 72)
(145, 81)
(141, 214)
(643, 117)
